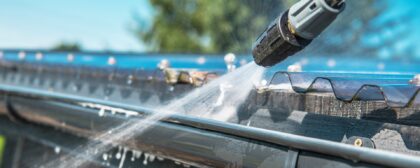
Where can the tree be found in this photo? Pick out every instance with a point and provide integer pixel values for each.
(220, 26)
(208, 26)
(67, 47)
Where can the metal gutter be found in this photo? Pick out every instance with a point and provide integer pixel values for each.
(344, 151)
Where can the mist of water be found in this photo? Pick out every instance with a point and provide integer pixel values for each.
(218, 100)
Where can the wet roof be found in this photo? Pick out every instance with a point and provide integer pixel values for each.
(397, 90)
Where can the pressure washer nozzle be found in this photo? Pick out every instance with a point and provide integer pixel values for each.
(294, 30)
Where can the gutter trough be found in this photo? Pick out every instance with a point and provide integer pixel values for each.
(210, 143)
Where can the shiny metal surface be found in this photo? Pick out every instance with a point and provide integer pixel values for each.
(53, 95)
(395, 89)
(262, 135)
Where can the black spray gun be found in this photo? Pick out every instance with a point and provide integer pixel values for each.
(294, 30)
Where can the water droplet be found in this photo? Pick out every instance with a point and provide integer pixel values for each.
(146, 156)
(304, 61)
(381, 66)
(118, 155)
(70, 57)
(38, 56)
(331, 63)
(152, 158)
(101, 112)
(139, 153)
(249, 123)
(21, 55)
(105, 156)
(112, 61)
(243, 62)
(130, 80)
(201, 60)
(57, 150)
(297, 67)
(264, 82)
(160, 158)
(416, 80)
(163, 64)
(230, 58)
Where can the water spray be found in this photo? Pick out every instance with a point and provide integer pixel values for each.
(416, 80)
(21, 55)
(70, 57)
(230, 59)
(295, 29)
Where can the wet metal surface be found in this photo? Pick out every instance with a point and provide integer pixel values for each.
(395, 89)
(227, 148)
(330, 106)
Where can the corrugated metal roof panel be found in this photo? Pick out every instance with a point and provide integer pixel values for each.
(395, 89)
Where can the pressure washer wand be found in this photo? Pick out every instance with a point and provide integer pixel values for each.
(294, 30)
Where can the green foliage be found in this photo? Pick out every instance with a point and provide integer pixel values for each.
(67, 47)
(220, 26)
(2, 146)
(208, 26)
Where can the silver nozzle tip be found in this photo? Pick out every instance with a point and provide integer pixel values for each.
(308, 18)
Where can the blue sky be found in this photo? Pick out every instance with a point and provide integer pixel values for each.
(98, 24)
(95, 24)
